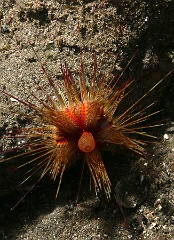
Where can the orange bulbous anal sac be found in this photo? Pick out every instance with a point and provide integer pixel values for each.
(86, 142)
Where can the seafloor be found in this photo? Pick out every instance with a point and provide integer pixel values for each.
(114, 30)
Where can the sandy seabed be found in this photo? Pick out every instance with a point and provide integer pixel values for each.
(114, 30)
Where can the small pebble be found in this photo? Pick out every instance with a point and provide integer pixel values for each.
(170, 155)
(166, 136)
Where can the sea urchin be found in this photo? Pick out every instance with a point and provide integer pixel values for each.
(79, 123)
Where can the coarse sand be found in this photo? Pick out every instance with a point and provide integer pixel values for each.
(114, 30)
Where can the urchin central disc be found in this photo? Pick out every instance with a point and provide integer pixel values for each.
(86, 142)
